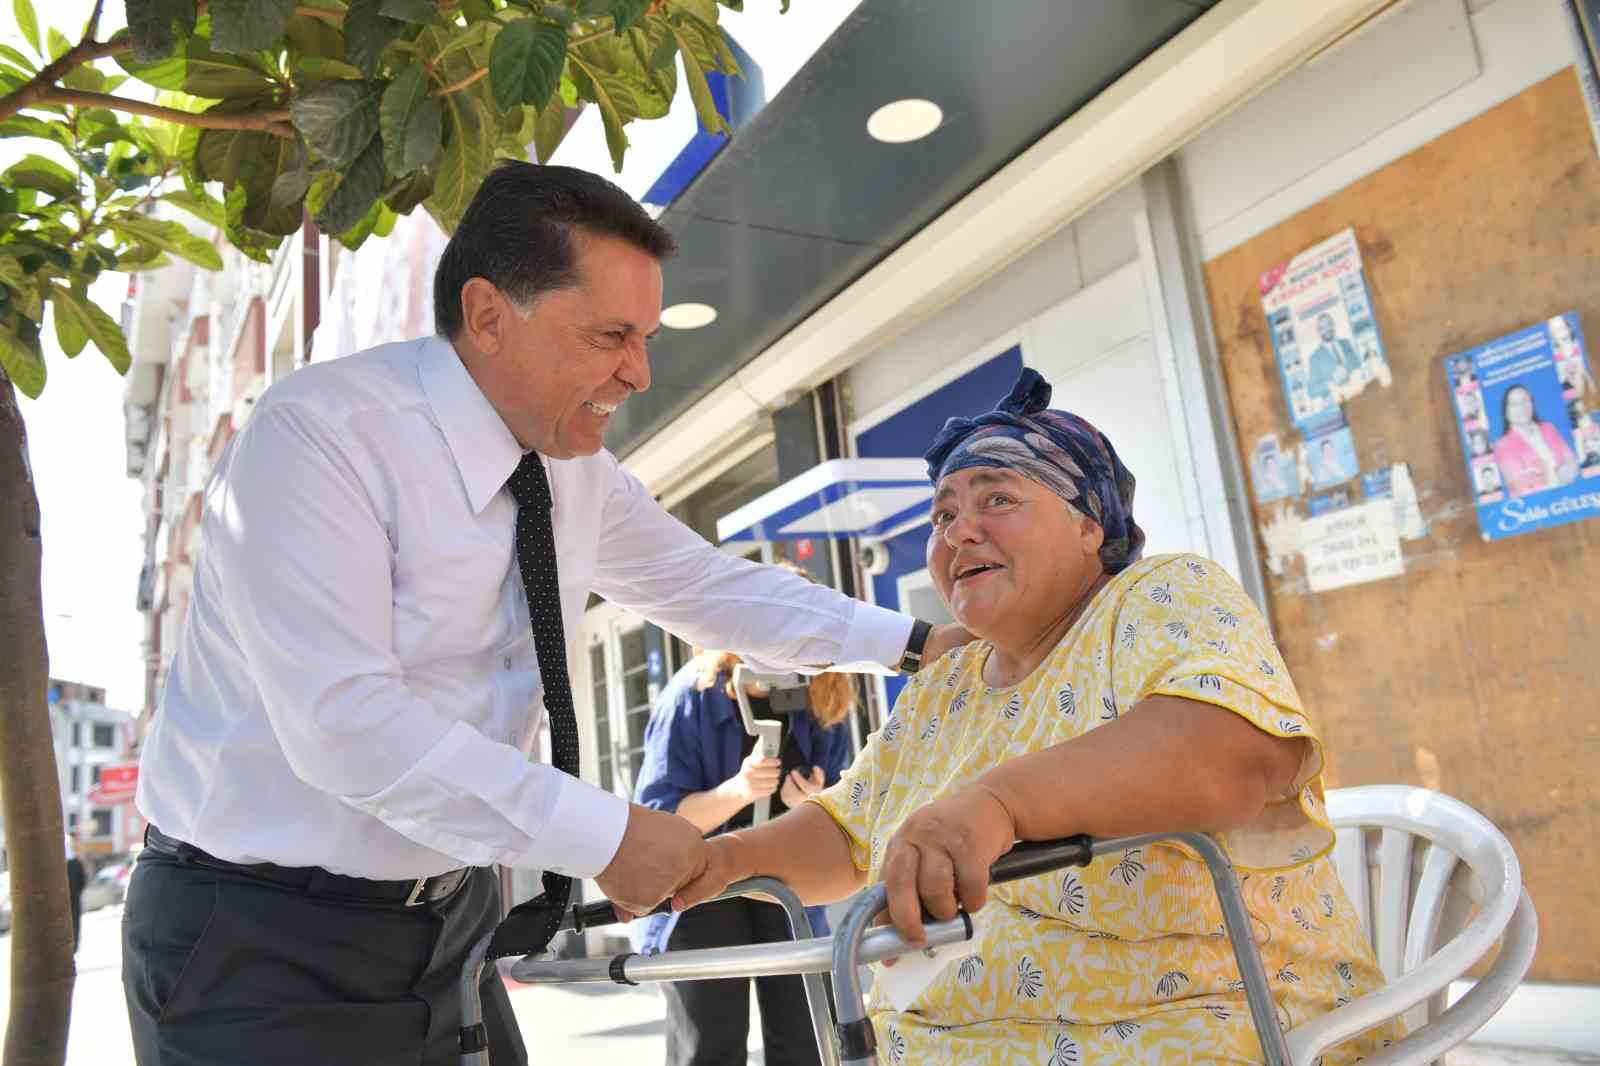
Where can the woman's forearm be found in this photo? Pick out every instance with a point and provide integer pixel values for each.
(711, 808)
(1168, 765)
(804, 848)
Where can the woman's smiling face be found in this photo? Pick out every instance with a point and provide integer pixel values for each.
(1009, 556)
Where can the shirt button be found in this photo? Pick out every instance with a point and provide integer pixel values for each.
(508, 662)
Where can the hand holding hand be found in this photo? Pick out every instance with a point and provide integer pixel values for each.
(659, 852)
(725, 864)
(940, 857)
(797, 787)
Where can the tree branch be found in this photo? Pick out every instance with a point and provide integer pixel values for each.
(273, 122)
(457, 86)
(85, 51)
(333, 18)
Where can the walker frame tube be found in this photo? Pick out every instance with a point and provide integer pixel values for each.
(857, 942)
(857, 1042)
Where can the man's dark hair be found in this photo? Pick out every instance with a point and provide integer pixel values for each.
(517, 234)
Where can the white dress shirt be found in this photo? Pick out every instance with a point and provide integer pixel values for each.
(356, 685)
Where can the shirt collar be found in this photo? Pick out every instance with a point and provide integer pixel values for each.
(484, 450)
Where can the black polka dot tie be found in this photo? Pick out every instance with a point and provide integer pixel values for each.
(530, 926)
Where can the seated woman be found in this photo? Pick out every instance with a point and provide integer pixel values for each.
(1104, 695)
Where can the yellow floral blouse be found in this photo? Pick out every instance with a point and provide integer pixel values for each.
(1125, 960)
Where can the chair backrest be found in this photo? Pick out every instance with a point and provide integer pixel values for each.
(1435, 885)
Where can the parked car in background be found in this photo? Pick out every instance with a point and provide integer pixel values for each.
(107, 887)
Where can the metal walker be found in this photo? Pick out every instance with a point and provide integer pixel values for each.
(850, 1041)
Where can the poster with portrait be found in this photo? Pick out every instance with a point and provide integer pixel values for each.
(1324, 335)
(1331, 458)
(1525, 408)
(1274, 470)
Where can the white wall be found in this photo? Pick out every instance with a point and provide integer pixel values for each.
(985, 318)
(1411, 75)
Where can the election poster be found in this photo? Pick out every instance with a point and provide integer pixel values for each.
(1324, 334)
(1525, 407)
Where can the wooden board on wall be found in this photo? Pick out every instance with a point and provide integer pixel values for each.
(1478, 671)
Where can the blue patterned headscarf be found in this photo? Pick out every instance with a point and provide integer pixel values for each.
(1059, 450)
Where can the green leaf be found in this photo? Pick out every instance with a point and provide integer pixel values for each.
(72, 332)
(17, 57)
(308, 35)
(360, 189)
(331, 69)
(28, 126)
(415, 11)
(548, 129)
(289, 188)
(11, 273)
(383, 225)
(624, 13)
(257, 246)
(27, 22)
(366, 34)
(169, 237)
(151, 22)
(526, 61)
(412, 121)
(409, 191)
(705, 105)
(23, 362)
(59, 45)
(100, 327)
(477, 10)
(469, 38)
(197, 69)
(338, 118)
(46, 175)
(610, 117)
(249, 25)
(206, 208)
(464, 161)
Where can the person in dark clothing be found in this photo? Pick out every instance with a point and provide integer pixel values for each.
(76, 878)
(700, 763)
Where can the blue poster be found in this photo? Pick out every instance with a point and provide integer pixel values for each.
(1324, 335)
(1525, 408)
(1332, 458)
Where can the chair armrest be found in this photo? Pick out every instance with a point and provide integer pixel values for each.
(1521, 935)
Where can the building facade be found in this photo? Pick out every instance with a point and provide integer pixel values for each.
(94, 748)
(1109, 193)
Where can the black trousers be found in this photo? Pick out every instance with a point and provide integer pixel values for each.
(708, 1022)
(222, 968)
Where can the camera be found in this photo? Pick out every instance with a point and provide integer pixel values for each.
(873, 556)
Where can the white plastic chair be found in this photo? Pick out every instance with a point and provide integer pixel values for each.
(1431, 911)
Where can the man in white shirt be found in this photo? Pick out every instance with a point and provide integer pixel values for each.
(343, 746)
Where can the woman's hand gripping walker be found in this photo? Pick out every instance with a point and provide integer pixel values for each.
(851, 1042)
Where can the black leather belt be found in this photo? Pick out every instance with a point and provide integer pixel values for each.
(314, 880)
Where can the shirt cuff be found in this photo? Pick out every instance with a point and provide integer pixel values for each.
(585, 826)
(875, 640)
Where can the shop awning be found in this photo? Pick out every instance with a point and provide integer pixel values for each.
(840, 498)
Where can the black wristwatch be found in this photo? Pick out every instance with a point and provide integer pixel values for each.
(911, 660)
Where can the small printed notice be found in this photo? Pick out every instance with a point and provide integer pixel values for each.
(1351, 546)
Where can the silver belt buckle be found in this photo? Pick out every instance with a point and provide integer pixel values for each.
(415, 899)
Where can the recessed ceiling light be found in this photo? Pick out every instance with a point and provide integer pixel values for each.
(905, 120)
(688, 316)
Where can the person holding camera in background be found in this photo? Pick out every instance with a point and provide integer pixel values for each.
(701, 763)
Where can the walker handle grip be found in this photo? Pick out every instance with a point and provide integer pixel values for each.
(589, 915)
(1041, 856)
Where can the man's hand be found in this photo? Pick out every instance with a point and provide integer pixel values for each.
(725, 864)
(659, 852)
(940, 857)
(757, 777)
(797, 786)
(943, 639)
